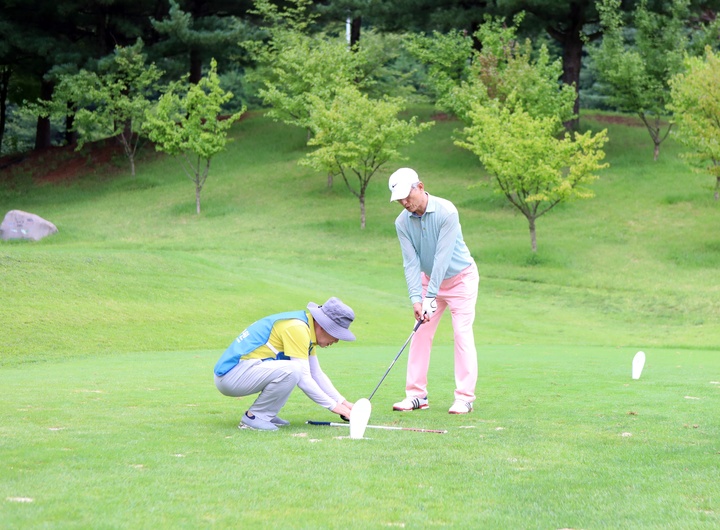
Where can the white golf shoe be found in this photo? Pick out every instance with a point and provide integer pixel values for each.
(409, 404)
(461, 407)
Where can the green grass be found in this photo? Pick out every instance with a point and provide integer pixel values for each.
(109, 417)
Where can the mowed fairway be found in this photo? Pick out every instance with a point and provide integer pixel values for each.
(108, 413)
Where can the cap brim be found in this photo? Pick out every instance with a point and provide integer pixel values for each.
(399, 194)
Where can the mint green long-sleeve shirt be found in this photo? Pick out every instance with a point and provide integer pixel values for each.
(431, 243)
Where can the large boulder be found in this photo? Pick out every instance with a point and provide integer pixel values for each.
(23, 225)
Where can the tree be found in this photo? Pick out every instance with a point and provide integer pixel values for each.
(695, 102)
(112, 102)
(296, 65)
(186, 122)
(515, 110)
(355, 135)
(447, 58)
(531, 167)
(503, 67)
(203, 29)
(49, 38)
(637, 74)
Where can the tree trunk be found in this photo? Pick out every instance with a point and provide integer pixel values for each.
(572, 62)
(197, 199)
(717, 188)
(355, 25)
(330, 180)
(5, 73)
(195, 66)
(70, 135)
(362, 212)
(43, 137)
(533, 240)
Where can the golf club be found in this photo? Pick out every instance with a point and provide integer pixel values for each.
(360, 413)
(419, 322)
(385, 427)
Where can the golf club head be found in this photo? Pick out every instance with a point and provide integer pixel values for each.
(359, 417)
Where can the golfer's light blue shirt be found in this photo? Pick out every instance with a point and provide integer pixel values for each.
(431, 243)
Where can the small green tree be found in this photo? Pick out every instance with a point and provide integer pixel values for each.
(636, 73)
(355, 135)
(533, 168)
(447, 58)
(695, 102)
(463, 77)
(112, 101)
(295, 65)
(515, 109)
(187, 122)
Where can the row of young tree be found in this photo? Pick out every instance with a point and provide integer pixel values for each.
(503, 87)
(181, 36)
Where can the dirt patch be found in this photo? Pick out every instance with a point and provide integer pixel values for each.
(631, 121)
(65, 163)
(443, 116)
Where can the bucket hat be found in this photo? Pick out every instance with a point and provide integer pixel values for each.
(334, 317)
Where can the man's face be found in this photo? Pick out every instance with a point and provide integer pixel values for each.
(415, 199)
(324, 339)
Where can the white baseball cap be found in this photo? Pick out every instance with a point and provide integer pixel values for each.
(401, 182)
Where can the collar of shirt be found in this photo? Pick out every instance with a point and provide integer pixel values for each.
(313, 337)
(429, 207)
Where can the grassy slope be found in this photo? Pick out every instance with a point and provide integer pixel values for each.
(131, 303)
(133, 268)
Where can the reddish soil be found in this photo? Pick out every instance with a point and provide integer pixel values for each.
(631, 121)
(62, 164)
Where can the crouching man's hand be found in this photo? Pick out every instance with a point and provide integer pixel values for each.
(343, 409)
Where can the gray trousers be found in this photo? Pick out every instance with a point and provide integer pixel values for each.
(274, 380)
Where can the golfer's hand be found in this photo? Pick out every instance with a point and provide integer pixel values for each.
(417, 308)
(429, 306)
(342, 409)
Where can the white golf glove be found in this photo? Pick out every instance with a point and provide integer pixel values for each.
(429, 306)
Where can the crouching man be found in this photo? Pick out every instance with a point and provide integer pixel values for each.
(276, 354)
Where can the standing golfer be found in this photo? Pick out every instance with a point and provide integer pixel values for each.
(277, 353)
(440, 273)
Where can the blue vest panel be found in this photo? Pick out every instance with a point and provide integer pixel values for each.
(256, 335)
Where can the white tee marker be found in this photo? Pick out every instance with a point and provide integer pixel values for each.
(638, 363)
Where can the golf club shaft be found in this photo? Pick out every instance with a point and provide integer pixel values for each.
(385, 427)
(396, 358)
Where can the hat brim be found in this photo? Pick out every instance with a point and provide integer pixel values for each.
(328, 325)
(399, 193)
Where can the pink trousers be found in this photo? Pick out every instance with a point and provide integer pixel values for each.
(459, 293)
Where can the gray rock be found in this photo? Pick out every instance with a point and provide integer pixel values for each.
(23, 225)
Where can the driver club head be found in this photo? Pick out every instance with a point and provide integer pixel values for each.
(359, 417)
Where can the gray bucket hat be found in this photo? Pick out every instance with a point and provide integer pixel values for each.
(334, 317)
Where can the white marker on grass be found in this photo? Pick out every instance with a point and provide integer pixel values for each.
(638, 363)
